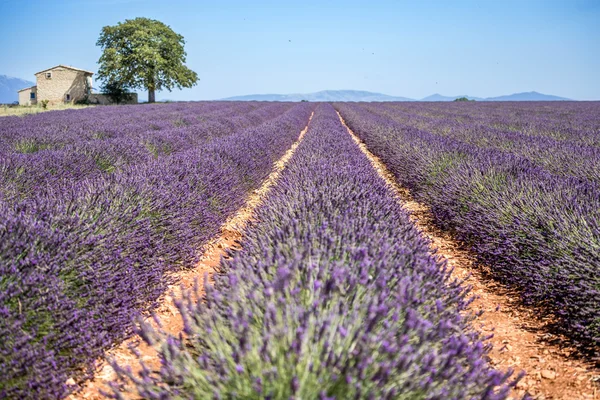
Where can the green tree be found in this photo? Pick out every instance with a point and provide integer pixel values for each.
(145, 54)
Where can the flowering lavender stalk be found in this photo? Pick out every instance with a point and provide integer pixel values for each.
(334, 295)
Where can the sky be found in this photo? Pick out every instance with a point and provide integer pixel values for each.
(481, 48)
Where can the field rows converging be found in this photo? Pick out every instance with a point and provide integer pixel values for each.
(529, 209)
(93, 225)
(299, 250)
(519, 338)
(333, 294)
(231, 232)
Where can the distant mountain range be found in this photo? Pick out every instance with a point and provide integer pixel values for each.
(325, 95)
(9, 87)
(356, 95)
(527, 96)
(439, 97)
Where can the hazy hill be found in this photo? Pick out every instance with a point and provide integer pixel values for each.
(527, 96)
(357, 95)
(325, 95)
(439, 97)
(9, 87)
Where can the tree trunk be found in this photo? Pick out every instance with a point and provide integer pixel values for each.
(151, 96)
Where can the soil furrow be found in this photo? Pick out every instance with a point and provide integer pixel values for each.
(167, 313)
(520, 340)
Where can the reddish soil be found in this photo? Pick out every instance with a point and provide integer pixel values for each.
(521, 339)
(167, 313)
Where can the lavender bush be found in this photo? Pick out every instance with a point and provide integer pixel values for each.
(520, 186)
(334, 295)
(84, 248)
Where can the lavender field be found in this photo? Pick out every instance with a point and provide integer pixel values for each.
(333, 293)
(99, 205)
(517, 183)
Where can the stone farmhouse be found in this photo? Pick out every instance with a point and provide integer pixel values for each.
(63, 84)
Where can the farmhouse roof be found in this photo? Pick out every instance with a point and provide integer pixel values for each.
(66, 66)
(30, 87)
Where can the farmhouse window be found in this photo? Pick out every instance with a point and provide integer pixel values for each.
(48, 75)
(68, 97)
(32, 96)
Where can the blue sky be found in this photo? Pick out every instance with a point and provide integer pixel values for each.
(404, 48)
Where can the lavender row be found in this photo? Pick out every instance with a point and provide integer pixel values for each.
(59, 128)
(577, 122)
(77, 264)
(558, 149)
(540, 232)
(334, 295)
(53, 157)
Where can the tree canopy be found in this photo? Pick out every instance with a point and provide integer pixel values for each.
(145, 54)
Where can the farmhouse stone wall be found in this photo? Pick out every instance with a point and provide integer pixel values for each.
(64, 84)
(63, 81)
(25, 96)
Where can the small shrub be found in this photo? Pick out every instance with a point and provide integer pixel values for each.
(29, 146)
(179, 122)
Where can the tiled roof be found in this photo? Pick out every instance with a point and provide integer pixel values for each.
(66, 66)
(30, 87)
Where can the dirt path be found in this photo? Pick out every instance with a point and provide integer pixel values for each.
(520, 340)
(231, 233)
